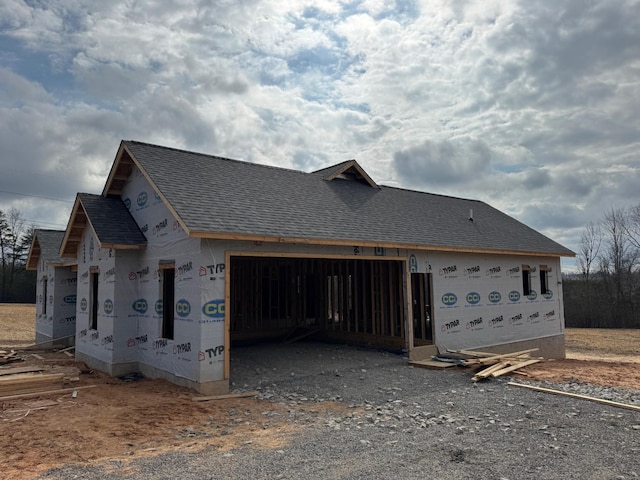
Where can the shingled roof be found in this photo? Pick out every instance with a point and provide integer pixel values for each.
(45, 246)
(216, 197)
(110, 220)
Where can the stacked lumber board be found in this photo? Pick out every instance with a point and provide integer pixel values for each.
(22, 383)
(433, 364)
(9, 357)
(14, 370)
(494, 365)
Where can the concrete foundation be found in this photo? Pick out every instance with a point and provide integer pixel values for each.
(115, 370)
(548, 347)
(43, 339)
(208, 388)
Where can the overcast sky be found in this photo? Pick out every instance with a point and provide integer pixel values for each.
(532, 106)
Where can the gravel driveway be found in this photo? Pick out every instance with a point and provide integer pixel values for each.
(395, 421)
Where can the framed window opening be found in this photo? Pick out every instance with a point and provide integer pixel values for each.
(526, 280)
(44, 294)
(94, 276)
(168, 277)
(544, 280)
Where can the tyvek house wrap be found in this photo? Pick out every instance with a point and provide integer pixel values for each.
(99, 342)
(478, 300)
(195, 352)
(60, 300)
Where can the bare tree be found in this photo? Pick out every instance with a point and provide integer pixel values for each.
(617, 264)
(4, 248)
(18, 228)
(632, 226)
(590, 243)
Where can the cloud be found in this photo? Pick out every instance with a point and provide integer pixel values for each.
(530, 106)
(537, 178)
(447, 162)
(18, 91)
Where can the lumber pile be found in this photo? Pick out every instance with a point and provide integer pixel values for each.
(9, 357)
(493, 365)
(14, 370)
(23, 383)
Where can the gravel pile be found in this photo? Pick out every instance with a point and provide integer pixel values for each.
(391, 420)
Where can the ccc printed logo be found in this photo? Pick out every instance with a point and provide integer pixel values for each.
(473, 298)
(83, 304)
(140, 305)
(495, 297)
(449, 299)
(127, 203)
(413, 264)
(548, 295)
(533, 295)
(108, 306)
(514, 296)
(214, 309)
(183, 308)
(70, 299)
(159, 308)
(142, 199)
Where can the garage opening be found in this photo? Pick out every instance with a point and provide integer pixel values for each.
(358, 301)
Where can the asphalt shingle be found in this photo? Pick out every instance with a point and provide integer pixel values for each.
(49, 242)
(111, 220)
(218, 195)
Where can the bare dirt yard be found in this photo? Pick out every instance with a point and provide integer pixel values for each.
(122, 419)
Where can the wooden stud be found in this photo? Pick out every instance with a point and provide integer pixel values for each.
(59, 391)
(576, 395)
(225, 396)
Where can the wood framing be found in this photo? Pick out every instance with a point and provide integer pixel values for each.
(359, 297)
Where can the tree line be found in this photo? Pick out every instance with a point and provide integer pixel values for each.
(17, 285)
(606, 291)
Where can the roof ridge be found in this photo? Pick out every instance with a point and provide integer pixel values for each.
(331, 167)
(433, 194)
(315, 172)
(217, 157)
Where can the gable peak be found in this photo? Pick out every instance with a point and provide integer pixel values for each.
(349, 170)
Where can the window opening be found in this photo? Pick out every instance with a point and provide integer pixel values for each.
(544, 280)
(93, 313)
(168, 300)
(44, 295)
(526, 280)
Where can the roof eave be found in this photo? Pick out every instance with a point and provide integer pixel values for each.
(116, 174)
(367, 243)
(67, 240)
(34, 254)
(70, 263)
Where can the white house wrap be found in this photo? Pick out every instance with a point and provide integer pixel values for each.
(185, 254)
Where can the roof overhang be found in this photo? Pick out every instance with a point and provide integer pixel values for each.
(75, 228)
(120, 171)
(122, 168)
(364, 243)
(34, 254)
(78, 221)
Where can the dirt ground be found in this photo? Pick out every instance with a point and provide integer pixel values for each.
(117, 420)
